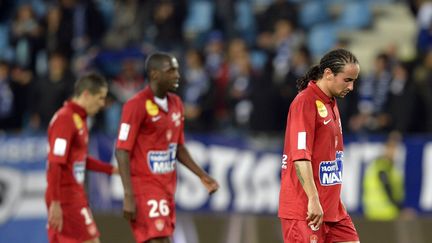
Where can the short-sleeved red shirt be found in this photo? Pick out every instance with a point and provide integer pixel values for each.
(151, 136)
(68, 139)
(313, 133)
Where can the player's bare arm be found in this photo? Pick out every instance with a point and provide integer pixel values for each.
(305, 176)
(184, 157)
(129, 207)
(99, 166)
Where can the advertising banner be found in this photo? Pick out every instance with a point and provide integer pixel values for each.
(248, 175)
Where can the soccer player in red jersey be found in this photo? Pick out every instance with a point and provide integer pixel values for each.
(310, 207)
(150, 141)
(69, 217)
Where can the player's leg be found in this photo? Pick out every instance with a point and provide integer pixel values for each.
(343, 232)
(95, 240)
(159, 240)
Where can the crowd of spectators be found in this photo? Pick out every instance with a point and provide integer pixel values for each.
(239, 63)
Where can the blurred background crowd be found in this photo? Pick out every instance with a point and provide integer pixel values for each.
(239, 59)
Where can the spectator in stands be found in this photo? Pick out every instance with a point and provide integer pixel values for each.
(423, 82)
(82, 24)
(58, 83)
(167, 19)
(22, 80)
(25, 36)
(373, 96)
(129, 81)
(401, 99)
(56, 37)
(383, 187)
(130, 21)
(241, 79)
(197, 93)
(424, 24)
(217, 66)
(278, 10)
(6, 97)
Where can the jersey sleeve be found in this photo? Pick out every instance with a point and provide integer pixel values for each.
(301, 130)
(61, 134)
(98, 165)
(131, 118)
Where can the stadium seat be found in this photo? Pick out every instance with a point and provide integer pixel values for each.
(313, 12)
(200, 17)
(6, 53)
(355, 15)
(245, 23)
(322, 38)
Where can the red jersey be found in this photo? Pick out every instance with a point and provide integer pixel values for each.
(151, 136)
(313, 133)
(67, 139)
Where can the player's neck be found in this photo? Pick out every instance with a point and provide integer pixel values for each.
(81, 102)
(322, 86)
(156, 91)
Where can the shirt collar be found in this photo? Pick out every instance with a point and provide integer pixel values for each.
(312, 85)
(76, 108)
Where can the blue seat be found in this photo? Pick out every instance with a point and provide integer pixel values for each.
(258, 59)
(355, 15)
(322, 38)
(245, 22)
(200, 17)
(6, 52)
(313, 12)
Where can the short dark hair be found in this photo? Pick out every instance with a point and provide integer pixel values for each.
(155, 60)
(335, 60)
(93, 82)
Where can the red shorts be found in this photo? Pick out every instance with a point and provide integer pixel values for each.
(155, 217)
(78, 226)
(297, 231)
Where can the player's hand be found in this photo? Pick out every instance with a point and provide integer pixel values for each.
(315, 214)
(129, 207)
(115, 171)
(210, 184)
(55, 216)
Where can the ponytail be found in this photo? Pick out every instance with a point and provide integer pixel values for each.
(313, 74)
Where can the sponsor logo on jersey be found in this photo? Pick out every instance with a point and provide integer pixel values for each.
(79, 171)
(330, 172)
(152, 108)
(78, 121)
(322, 110)
(162, 162)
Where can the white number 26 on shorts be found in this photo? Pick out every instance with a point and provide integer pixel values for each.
(158, 208)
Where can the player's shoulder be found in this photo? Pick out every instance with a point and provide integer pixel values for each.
(174, 97)
(63, 116)
(305, 96)
(137, 99)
